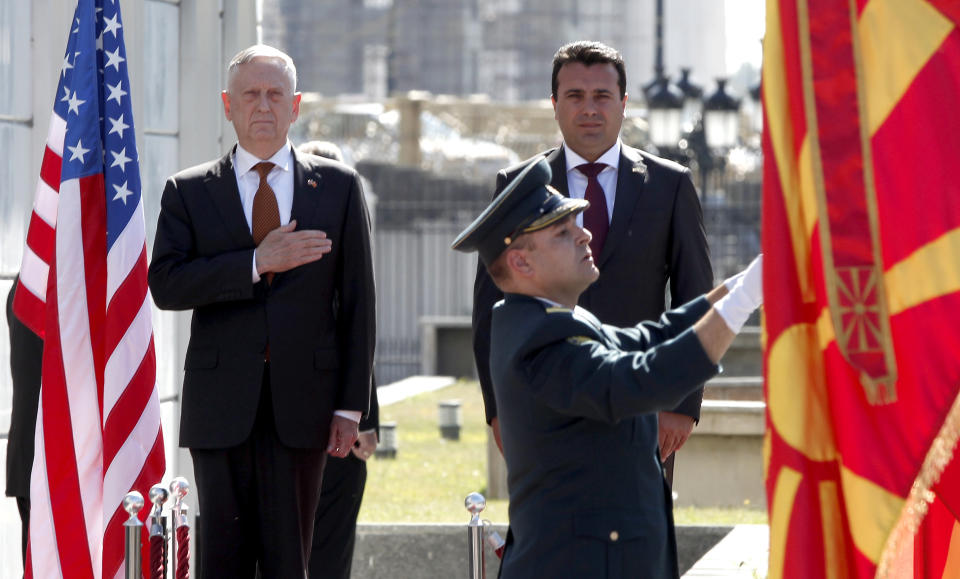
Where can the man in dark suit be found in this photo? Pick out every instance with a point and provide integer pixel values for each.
(271, 250)
(578, 399)
(645, 218)
(26, 361)
(344, 479)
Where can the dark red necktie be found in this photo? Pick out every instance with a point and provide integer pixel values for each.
(595, 217)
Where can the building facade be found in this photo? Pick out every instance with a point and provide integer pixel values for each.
(502, 48)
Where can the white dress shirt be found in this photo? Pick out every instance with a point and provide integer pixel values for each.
(280, 180)
(577, 181)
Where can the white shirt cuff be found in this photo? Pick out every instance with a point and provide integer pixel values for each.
(353, 415)
(256, 276)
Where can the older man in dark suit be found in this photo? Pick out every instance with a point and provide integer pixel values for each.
(578, 399)
(271, 250)
(645, 219)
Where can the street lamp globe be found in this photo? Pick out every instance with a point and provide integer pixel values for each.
(720, 118)
(692, 97)
(666, 113)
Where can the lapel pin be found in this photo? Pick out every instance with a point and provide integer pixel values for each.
(311, 183)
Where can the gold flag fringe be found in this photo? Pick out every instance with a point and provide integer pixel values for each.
(921, 496)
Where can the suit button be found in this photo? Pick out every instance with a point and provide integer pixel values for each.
(614, 536)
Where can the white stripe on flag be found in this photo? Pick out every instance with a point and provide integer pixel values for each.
(45, 203)
(33, 273)
(44, 555)
(79, 371)
(126, 359)
(120, 474)
(56, 134)
(126, 251)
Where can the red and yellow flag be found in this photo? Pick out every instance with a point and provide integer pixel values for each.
(861, 236)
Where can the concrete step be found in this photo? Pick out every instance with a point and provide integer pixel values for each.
(439, 551)
(734, 388)
(744, 552)
(744, 358)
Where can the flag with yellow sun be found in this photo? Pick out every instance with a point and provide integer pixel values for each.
(861, 236)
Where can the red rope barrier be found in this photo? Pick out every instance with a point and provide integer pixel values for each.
(183, 552)
(156, 557)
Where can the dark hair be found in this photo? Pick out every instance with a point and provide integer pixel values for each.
(588, 53)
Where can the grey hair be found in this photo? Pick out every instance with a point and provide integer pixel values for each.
(258, 51)
(322, 149)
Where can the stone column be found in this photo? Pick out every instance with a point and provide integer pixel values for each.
(410, 106)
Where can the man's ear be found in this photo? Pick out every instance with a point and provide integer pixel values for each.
(225, 97)
(296, 105)
(518, 263)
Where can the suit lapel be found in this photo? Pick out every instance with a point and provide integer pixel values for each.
(631, 177)
(307, 185)
(221, 183)
(558, 165)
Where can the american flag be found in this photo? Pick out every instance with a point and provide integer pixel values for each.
(83, 288)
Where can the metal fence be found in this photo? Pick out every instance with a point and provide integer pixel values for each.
(417, 217)
(731, 216)
(419, 214)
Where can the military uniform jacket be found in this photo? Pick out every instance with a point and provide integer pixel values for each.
(578, 403)
(656, 237)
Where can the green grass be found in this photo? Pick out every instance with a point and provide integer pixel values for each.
(719, 516)
(430, 477)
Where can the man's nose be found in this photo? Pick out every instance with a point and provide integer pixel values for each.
(584, 237)
(589, 107)
(263, 103)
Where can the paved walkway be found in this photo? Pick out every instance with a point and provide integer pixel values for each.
(392, 393)
(743, 553)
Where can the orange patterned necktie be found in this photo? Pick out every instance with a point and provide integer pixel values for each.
(266, 213)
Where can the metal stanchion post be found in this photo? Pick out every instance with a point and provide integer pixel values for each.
(178, 489)
(158, 496)
(133, 530)
(475, 503)
(164, 523)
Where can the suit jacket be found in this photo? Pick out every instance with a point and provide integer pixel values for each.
(26, 360)
(578, 403)
(372, 419)
(319, 318)
(656, 234)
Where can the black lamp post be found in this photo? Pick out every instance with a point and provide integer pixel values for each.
(677, 127)
(692, 97)
(756, 110)
(665, 102)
